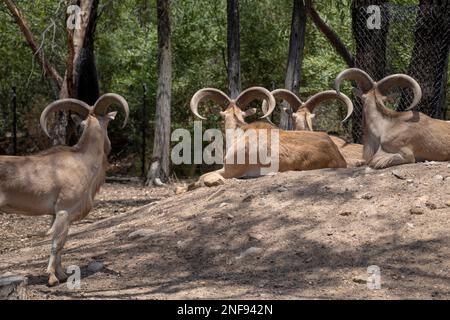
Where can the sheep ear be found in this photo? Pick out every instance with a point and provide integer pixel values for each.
(357, 92)
(111, 115)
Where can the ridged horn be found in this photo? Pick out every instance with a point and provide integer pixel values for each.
(316, 99)
(78, 106)
(205, 94)
(254, 93)
(106, 100)
(402, 81)
(363, 80)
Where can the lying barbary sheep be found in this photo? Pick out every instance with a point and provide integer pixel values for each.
(302, 114)
(297, 150)
(61, 181)
(390, 137)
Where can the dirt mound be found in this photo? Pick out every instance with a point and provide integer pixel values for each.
(292, 235)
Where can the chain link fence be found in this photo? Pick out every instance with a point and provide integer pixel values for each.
(391, 39)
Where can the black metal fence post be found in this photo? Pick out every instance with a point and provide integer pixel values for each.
(144, 131)
(14, 122)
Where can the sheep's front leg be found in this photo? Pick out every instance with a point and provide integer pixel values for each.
(60, 230)
(383, 159)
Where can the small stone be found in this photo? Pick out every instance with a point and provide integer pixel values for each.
(248, 198)
(181, 189)
(447, 203)
(430, 205)
(140, 233)
(95, 266)
(438, 177)
(254, 236)
(416, 211)
(230, 216)
(359, 280)
(398, 175)
(410, 181)
(367, 196)
(223, 204)
(282, 189)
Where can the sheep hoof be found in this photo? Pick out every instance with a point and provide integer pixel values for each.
(52, 280)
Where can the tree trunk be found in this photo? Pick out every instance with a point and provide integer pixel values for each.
(159, 168)
(80, 80)
(370, 51)
(429, 60)
(233, 45)
(295, 58)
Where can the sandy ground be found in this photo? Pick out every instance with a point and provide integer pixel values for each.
(295, 235)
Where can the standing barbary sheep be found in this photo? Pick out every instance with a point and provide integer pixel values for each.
(390, 137)
(302, 114)
(61, 181)
(297, 150)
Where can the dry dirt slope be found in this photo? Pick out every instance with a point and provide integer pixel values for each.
(312, 235)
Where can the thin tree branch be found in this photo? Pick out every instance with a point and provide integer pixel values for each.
(37, 51)
(334, 39)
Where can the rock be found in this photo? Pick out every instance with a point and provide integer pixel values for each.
(398, 175)
(438, 177)
(248, 198)
(181, 189)
(253, 251)
(416, 211)
(95, 266)
(368, 170)
(430, 205)
(367, 196)
(13, 287)
(140, 233)
(359, 280)
(254, 236)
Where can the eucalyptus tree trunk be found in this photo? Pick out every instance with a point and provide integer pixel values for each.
(370, 50)
(159, 168)
(233, 48)
(429, 60)
(295, 58)
(81, 71)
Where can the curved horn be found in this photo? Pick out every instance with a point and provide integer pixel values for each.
(202, 95)
(254, 93)
(363, 80)
(312, 102)
(288, 96)
(75, 105)
(107, 100)
(402, 81)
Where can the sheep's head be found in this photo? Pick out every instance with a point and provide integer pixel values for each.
(369, 90)
(233, 109)
(302, 112)
(95, 117)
